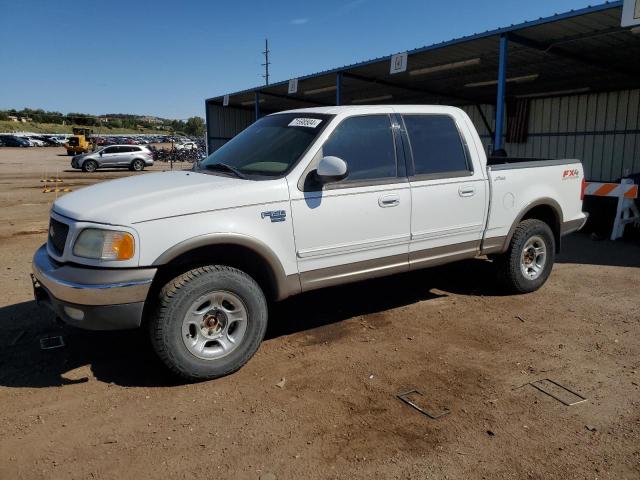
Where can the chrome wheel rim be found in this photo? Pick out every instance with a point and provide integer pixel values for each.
(533, 258)
(137, 165)
(214, 325)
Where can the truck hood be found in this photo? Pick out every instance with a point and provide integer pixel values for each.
(165, 194)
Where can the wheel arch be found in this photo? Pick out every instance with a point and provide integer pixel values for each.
(544, 209)
(235, 250)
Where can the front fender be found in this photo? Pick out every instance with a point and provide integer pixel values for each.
(285, 285)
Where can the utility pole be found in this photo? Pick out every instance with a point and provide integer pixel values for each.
(266, 61)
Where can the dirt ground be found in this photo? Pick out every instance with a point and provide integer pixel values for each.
(319, 398)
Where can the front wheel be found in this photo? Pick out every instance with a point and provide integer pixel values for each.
(527, 264)
(209, 322)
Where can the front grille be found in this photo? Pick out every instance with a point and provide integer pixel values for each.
(57, 235)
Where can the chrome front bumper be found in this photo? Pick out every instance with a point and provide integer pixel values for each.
(91, 298)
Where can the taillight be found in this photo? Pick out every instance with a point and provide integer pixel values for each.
(583, 187)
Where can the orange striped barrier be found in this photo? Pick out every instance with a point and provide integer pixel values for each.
(625, 190)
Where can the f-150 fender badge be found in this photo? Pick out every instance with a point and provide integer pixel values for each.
(275, 215)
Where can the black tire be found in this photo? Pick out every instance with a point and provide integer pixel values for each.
(90, 166)
(137, 165)
(70, 153)
(175, 299)
(512, 263)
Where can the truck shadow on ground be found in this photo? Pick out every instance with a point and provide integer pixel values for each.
(125, 358)
(580, 248)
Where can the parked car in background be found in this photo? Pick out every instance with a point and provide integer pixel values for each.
(48, 141)
(186, 146)
(35, 141)
(132, 157)
(13, 141)
(32, 143)
(60, 139)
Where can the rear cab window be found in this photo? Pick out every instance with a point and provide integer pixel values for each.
(436, 146)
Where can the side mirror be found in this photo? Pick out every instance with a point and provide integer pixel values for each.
(331, 169)
(101, 152)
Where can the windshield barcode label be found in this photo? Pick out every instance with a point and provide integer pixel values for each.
(305, 122)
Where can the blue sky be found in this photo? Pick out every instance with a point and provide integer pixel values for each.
(165, 57)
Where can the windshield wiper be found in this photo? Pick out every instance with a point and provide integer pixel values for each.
(228, 168)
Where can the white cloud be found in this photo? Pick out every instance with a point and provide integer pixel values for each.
(299, 21)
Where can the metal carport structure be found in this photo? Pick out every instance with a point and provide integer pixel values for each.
(566, 85)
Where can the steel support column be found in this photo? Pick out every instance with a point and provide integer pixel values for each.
(502, 85)
(339, 88)
(257, 105)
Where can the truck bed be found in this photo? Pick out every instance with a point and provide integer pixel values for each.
(505, 163)
(519, 184)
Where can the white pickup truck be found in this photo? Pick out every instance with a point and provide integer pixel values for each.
(300, 200)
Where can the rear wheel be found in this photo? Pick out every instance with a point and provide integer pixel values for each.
(527, 263)
(209, 322)
(137, 165)
(90, 166)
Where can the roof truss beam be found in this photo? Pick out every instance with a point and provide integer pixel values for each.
(423, 91)
(553, 49)
(297, 99)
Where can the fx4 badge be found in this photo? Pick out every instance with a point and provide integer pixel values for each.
(275, 215)
(573, 173)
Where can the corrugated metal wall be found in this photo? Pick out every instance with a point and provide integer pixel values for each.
(601, 129)
(224, 123)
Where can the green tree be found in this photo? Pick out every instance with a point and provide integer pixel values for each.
(194, 127)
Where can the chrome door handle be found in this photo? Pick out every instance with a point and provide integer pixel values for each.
(389, 201)
(466, 191)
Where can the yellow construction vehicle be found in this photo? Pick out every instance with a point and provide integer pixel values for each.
(80, 142)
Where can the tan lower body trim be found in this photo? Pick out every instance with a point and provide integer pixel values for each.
(445, 254)
(352, 272)
(380, 267)
(494, 245)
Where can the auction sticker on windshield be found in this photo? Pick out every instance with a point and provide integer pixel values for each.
(305, 122)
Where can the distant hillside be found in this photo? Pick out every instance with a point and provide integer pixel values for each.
(8, 127)
(38, 120)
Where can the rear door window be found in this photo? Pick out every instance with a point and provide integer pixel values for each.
(436, 145)
(366, 144)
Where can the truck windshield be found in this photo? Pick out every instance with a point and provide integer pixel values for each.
(268, 148)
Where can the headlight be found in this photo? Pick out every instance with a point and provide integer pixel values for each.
(104, 245)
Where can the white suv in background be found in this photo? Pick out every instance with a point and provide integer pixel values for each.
(133, 157)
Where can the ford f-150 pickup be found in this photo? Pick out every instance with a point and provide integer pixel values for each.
(300, 200)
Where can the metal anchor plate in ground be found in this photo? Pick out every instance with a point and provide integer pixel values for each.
(559, 392)
(405, 398)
